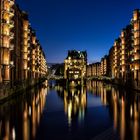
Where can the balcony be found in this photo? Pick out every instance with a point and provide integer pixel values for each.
(5, 12)
(4, 21)
(5, 45)
(11, 2)
(29, 41)
(11, 12)
(25, 37)
(5, 62)
(11, 47)
(25, 57)
(33, 62)
(11, 35)
(137, 66)
(25, 50)
(136, 62)
(5, 35)
(11, 24)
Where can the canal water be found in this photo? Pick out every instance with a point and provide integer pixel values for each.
(98, 111)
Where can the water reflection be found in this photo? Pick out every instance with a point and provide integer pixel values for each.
(99, 89)
(75, 102)
(126, 113)
(124, 108)
(94, 111)
(20, 117)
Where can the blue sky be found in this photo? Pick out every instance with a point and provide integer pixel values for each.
(90, 25)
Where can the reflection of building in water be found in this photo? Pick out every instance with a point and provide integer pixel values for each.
(75, 102)
(124, 111)
(23, 116)
(99, 89)
(94, 86)
(125, 108)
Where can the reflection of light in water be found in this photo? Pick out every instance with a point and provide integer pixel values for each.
(121, 110)
(33, 118)
(69, 112)
(104, 97)
(7, 131)
(115, 108)
(72, 91)
(25, 123)
(65, 101)
(77, 99)
(13, 134)
(30, 110)
(81, 114)
(37, 99)
(136, 125)
(135, 110)
(74, 104)
(131, 111)
(29, 119)
(38, 114)
(122, 126)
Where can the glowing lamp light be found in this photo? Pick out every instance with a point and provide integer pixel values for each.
(131, 111)
(13, 134)
(30, 110)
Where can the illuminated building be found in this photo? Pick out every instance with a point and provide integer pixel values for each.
(123, 55)
(89, 68)
(25, 44)
(96, 69)
(21, 55)
(6, 36)
(33, 53)
(37, 66)
(16, 58)
(110, 62)
(126, 53)
(104, 66)
(126, 66)
(75, 65)
(136, 51)
(117, 53)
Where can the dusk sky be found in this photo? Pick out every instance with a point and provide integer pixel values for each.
(90, 25)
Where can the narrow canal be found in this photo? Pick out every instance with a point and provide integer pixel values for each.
(98, 112)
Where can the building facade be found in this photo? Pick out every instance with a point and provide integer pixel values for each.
(104, 66)
(117, 55)
(75, 65)
(6, 37)
(111, 62)
(89, 69)
(126, 53)
(96, 69)
(136, 46)
(21, 55)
